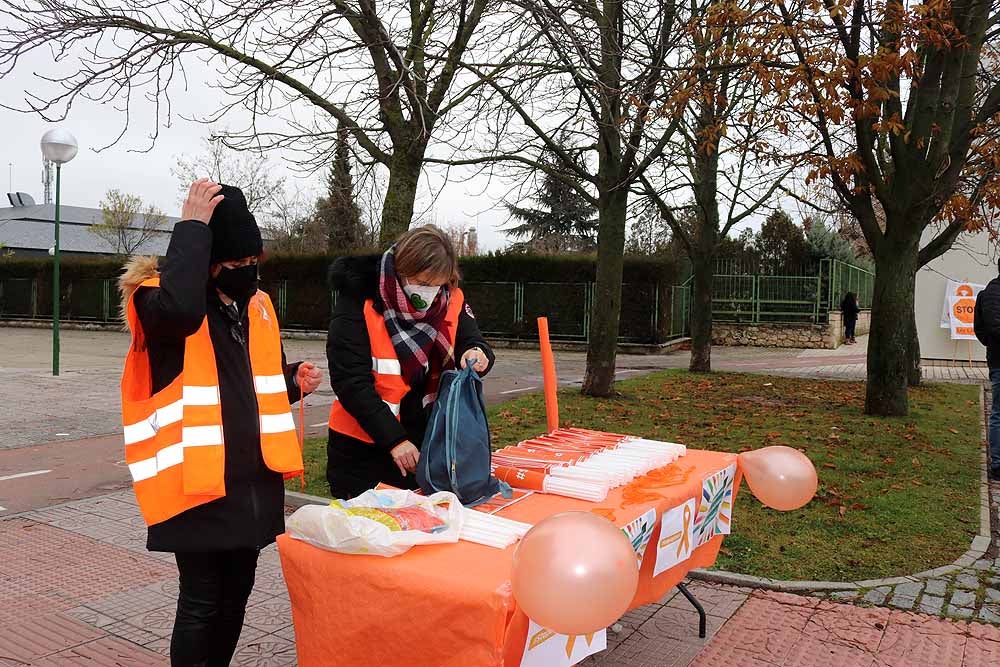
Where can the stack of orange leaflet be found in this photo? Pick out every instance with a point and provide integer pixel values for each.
(582, 464)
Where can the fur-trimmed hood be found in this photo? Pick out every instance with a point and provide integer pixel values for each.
(137, 271)
(356, 275)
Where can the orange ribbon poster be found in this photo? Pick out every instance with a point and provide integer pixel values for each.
(676, 537)
(962, 314)
(545, 648)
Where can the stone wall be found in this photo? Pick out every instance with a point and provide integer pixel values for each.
(803, 336)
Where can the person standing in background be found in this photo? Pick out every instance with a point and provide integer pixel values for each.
(849, 309)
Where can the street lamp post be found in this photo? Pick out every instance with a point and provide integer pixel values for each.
(59, 147)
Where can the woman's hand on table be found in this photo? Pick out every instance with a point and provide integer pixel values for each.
(406, 455)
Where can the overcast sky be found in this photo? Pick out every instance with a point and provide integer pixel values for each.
(128, 167)
(131, 166)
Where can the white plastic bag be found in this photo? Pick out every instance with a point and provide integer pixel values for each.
(332, 528)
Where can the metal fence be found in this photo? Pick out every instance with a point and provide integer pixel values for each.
(789, 299)
(842, 278)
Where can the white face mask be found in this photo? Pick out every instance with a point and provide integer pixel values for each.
(421, 296)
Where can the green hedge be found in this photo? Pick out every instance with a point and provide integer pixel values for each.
(70, 268)
(507, 292)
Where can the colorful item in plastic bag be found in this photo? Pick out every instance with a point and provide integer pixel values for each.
(379, 522)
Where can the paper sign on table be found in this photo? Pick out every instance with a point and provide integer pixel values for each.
(545, 648)
(639, 532)
(715, 510)
(676, 537)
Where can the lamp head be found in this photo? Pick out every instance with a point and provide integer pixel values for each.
(59, 146)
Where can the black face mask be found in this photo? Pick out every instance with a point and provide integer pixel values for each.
(238, 284)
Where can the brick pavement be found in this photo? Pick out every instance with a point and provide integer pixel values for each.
(77, 586)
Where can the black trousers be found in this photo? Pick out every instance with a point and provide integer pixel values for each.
(850, 326)
(215, 587)
(353, 467)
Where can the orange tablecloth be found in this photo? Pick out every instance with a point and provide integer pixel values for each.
(451, 605)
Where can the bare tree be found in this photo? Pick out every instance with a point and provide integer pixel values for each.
(385, 72)
(725, 164)
(295, 228)
(250, 172)
(127, 225)
(581, 88)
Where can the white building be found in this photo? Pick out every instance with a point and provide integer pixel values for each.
(973, 259)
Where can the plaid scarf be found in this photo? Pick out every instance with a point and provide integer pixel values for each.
(418, 337)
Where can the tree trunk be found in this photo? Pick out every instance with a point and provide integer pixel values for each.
(607, 302)
(913, 371)
(890, 346)
(701, 313)
(401, 193)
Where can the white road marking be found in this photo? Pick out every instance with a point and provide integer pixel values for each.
(24, 474)
(3, 509)
(517, 391)
(318, 425)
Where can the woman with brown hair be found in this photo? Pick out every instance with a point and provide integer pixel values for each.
(400, 320)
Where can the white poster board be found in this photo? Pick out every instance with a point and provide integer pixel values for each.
(961, 317)
(956, 288)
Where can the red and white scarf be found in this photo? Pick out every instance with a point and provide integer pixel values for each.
(419, 337)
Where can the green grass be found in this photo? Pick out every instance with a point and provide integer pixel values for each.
(896, 496)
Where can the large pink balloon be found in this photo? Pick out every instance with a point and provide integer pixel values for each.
(575, 573)
(780, 477)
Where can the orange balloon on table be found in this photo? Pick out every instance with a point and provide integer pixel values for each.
(575, 573)
(780, 477)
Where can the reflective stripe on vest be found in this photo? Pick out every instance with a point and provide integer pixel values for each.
(390, 384)
(174, 439)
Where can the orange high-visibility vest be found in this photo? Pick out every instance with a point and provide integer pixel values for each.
(390, 384)
(174, 440)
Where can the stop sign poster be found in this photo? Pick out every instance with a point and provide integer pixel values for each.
(962, 313)
(957, 289)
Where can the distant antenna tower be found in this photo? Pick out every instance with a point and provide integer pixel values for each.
(47, 180)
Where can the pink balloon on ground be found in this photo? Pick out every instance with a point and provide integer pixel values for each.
(575, 573)
(780, 477)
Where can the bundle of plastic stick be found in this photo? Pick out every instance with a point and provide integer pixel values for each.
(491, 530)
(582, 464)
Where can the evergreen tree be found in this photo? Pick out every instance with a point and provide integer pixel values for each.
(338, 211)
(563, 222)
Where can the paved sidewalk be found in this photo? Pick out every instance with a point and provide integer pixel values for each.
(78, 588)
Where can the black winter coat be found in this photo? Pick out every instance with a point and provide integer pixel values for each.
(354, 466)
(987, 322)
(849, 310)
(251, 514)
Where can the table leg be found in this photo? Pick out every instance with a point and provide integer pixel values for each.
(697, 605)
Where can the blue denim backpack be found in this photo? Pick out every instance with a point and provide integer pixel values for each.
(456, 453)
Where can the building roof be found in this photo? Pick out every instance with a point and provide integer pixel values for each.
(33, 227)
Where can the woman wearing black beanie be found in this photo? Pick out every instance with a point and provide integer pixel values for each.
(206, 397)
